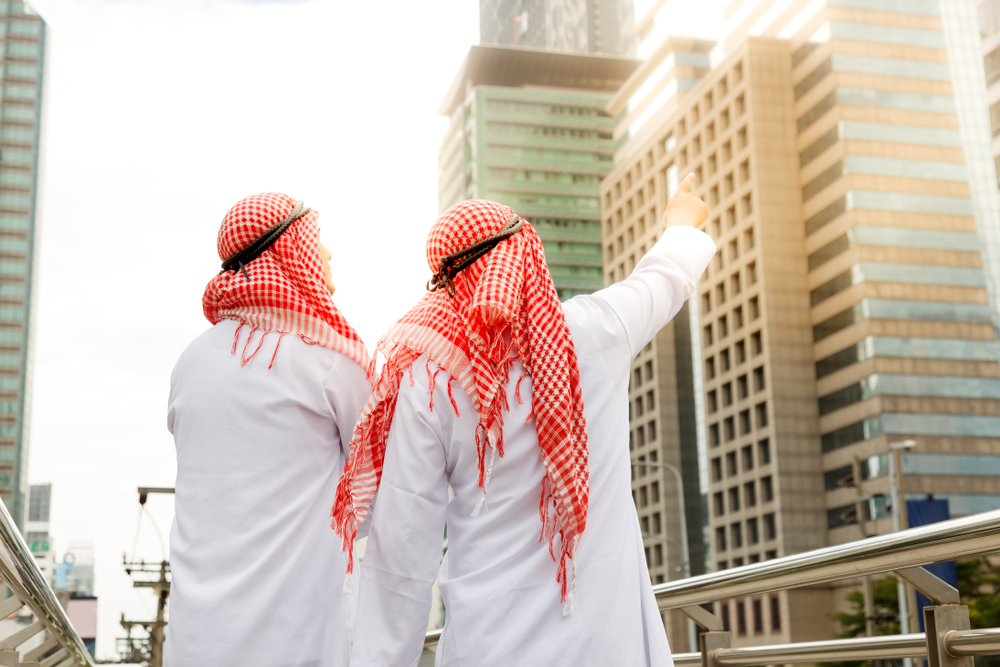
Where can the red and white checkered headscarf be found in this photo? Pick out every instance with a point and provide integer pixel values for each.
(287, 291)
(507, 289)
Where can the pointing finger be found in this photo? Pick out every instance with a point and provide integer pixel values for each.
(685, 185)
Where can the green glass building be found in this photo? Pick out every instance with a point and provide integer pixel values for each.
(20, 137)
(529, 130)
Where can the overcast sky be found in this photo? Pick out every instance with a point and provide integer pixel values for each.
(160, 115)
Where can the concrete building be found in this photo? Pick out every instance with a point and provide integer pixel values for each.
(577, 26)
(528, 129)
(20, 138)
(37, 530)
(847, 307)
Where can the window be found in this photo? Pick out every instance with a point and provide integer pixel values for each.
(654, 491)
(720, 293)
(736, 534)
(643, 496)
(710, 368)
(723, 327)
(752, 273)
(706, 302)
(756, 346)
(741, 618)
(734, 250)
(713, 159)
(741, 138)
(716, 469)
(713, 196)
(734, 504)
(753, 536)
(720, 539)
(754, 558)
(744, 422)
(775, 610)
(724, 606)
(708, 335)
(650, 403)
(734, 284)
(747, 456)
(771, 555)
(651, 431)
(748, 239)
(738, 324)
(770, 530)
(657, 527)
(638, 407)
(713, 435)
(731, 217)
(747, 205)
(766, 489)
(764, 452)
(730, 428)
(649, 370)
(731, 463)
(727, 148)
(636, 377)
(758, 617)
(649, 560)
(727, 394)
(712, 402)
(717, 504)
(724, 360)
(741, 381)
(758, 378)
(761, 410)
(641, 440)
(729, 184)
(657, 553)
(745, 171)
(750, 498)
(741, 104)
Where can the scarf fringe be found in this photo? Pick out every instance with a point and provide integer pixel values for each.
(271, 365)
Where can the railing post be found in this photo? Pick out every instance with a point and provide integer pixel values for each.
(938, 621)
(712, 642)
(10, 658)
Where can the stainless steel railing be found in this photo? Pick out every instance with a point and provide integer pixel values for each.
(973, 535)
(63, 647)
(948, 644)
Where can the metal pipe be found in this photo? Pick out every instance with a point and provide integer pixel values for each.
(972, 535)
(972, 642)
(861, 648)
(20, 572)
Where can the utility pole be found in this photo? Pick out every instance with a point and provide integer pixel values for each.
(898, 518)
(869, 591)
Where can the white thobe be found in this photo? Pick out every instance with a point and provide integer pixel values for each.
(499, 586)
(257, 571)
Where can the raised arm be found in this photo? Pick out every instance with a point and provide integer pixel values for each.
(404, 547)
(662, 280)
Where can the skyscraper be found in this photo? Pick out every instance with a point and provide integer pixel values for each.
(848, 306)
(528, 129)
(20, 139)
(580, 26)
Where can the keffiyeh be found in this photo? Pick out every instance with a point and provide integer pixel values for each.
(506, 291)
(283, 290)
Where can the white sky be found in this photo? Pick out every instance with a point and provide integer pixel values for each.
(160, 115)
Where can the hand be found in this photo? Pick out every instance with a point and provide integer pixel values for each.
(685, 208)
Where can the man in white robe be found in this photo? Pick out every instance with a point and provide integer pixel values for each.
(510, 594)
(262, 407)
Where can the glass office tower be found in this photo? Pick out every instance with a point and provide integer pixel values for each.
(20, 138)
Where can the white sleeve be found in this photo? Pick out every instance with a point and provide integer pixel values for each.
(662, 281)
(407, 533)
(347, 391)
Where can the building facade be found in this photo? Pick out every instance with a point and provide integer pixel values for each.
(578, 26)
(848, 306)
(528, 129)
(20, 139)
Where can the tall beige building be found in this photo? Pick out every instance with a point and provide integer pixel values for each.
(847, 307)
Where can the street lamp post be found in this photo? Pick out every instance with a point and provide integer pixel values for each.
(896, 493)
(685, 555)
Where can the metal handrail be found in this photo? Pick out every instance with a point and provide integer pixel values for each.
(972, 535)
(20, 572)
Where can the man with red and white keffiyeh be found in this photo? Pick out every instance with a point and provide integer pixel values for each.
(262, 407)
(502, 415)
